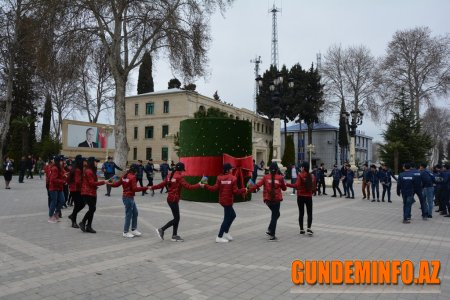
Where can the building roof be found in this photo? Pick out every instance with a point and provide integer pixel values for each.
(162, 92)
(319, 126)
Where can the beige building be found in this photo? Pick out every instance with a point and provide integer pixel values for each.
(154, 118)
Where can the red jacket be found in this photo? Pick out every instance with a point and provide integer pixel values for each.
(129, 185)
(75, 185)
(90, 183)
(300, 185)
(47, 173)
(227, 186)
(56, 180)
(267, 182)
(175, 186)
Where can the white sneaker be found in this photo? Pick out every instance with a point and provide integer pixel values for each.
(221, 240)
(228, 236)
(136, 233)
(127, 235)
(52, 220)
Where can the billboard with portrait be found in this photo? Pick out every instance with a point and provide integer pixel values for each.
(89, 136)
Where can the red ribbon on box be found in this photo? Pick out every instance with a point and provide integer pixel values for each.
(213, 165)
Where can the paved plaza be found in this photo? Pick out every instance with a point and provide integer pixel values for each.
(39, 260)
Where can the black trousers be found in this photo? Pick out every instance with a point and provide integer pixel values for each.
(108, 187)
(336, 187)
(176, 218)
(321, 183)
(301, 202)
(274, 207)
(30, 173)
(21, 175)
(228, 217)
(164, 178)
(79, 204)
(89, 216)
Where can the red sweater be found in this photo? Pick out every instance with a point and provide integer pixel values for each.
(56, 180)
(175, 186)
(90, 183)
(47, 169)
(300, 185)
(75, 185)
(129, 185)
(227, 186)
(267, 182)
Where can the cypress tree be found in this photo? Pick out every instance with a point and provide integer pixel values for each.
(46, 118)
(145, 79)
(289, 152)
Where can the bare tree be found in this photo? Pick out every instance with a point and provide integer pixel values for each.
(349, 76)
(419, 63)
(129, 28)
(11, 12)
(436, 123)
(96, 82)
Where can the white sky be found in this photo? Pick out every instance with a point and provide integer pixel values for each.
(305, 28)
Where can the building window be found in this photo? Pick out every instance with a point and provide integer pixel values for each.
(149, 108)
(134, 153)
(136, 109)
(267, 129)
(257, 127)
(148, 132)
(164, 153)
(135, 133)
(262, 128)
(165, 130)
(148, 153)
(166, 107)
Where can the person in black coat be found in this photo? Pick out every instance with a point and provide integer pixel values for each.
(8, 171)
(22, 169)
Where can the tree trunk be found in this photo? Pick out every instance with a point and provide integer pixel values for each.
(396, 170)
(120, 130)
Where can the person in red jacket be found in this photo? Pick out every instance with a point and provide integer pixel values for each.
(89, 193)
(306, 186)
(129, 185)
(174, 184)
(227, 186)
(272, 196)
(74, 182)
(55, 187)
(47, 169)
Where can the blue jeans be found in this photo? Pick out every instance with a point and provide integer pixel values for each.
(423, 202)
(407, 203)
(293, 180)
(131, 214)
(428, 195)
(375, 188)
(56, 202)
(228, 217)
(349, 186)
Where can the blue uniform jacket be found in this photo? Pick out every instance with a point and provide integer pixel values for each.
(336, 174)
(427, 178)
(405, 183)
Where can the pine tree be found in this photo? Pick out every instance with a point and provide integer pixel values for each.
(405, 142)
(46, 118)
(190, 87)
(216, 96)
(289, 152)
(145, 80)
(174, 83)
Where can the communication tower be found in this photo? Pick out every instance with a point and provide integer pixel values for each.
(256, 61)
(274, 12)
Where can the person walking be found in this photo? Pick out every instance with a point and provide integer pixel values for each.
(29, 165)
(365, 182)
(129, 184)
(405, 189)
(8, 168)
(255, 173)
(149, 170)
(386, 176)
(109, 170)
(56, 183)
(344, 178)
(174, 183)
(89, 186)
(374, 179)
(22, 169)
(321, 179)
(294, 172)
(349, 178)
(428, 188)
(226, 184)
(74, 180)
(336, 174)
(164, 168)
(439, 190)
(273, 185)
(305, 186)
(40, 164)
(418, 190)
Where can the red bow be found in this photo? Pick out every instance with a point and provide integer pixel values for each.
(239, 164)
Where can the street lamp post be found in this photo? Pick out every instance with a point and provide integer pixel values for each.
(276, 92)
(357, 117)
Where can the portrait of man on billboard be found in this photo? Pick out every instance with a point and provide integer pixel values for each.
(89, 142)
